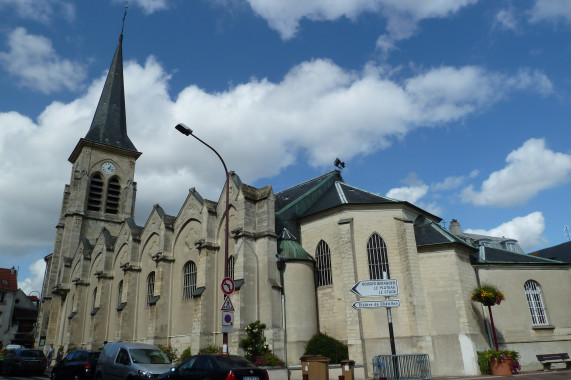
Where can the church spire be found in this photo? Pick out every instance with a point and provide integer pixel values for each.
(109, 125)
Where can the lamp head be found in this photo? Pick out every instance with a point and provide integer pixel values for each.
(183, 129)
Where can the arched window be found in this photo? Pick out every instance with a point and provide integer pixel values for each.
(119, 292)
(113, 196)
(189, 280)
(323, 256)
(378, 258)
(94, 299)
(95, 193)
(231, 261)
(535, 303)
(150, 287)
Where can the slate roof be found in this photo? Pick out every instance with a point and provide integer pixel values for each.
(288, 196)
(429, 233)
(8, 280)
(561, 252)
(501, 256)
(323, 193)
(292, 203)
(109, 125)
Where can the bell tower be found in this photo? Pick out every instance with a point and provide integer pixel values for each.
(102, 191)
(100, 196)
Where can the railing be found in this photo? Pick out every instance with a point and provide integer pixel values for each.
(402, 367)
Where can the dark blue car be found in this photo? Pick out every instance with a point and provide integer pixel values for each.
(24, 360)
(216, 367)
(77, 365)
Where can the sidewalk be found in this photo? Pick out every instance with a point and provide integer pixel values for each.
(555, 374)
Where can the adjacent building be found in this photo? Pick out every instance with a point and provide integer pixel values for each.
(18, 312)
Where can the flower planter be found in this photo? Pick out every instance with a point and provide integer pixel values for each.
(501, 368)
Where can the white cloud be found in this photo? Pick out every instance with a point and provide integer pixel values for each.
(552, 10)
(34, 283)
(452, 93)
(453, 182)
(148, 6)
(527, 230)
(41, 11)
(409, 193)
(506, 19)
(402, 16)
(530, 169)
(248, 121)
(34, 62)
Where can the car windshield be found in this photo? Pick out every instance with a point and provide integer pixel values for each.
(148, 356)
(229, 362)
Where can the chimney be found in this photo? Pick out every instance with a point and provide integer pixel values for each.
(13, 270)
(455, 227)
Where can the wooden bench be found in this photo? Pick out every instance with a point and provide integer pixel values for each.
(548, 359)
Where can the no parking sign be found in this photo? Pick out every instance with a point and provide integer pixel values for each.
(228, 321)
(227, 318)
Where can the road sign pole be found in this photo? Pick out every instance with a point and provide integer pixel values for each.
(392, 337)
(391, 333)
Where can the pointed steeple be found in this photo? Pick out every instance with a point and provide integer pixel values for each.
(109, 125)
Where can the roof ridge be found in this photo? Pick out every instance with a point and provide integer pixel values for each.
(308, 181)
(369, 192)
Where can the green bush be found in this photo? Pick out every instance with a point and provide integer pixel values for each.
(185, 355)
(324, 345)
(170, 352)
(255, 347)
(210, 349)
(255, 342)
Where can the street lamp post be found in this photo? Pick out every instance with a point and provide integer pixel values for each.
(187, 131)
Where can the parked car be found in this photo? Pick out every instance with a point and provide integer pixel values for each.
(14, 346)
(77, 365)
(24, 360)
(216, 367)
(121, 361)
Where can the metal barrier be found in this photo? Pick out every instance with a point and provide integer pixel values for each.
(402, 367)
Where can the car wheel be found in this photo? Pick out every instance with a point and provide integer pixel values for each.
(53, 375)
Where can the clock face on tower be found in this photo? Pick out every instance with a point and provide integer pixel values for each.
(108, 168)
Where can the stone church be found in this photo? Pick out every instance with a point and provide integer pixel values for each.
(294, 257)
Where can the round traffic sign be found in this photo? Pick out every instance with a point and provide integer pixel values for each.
(228, 318)
(227, 286)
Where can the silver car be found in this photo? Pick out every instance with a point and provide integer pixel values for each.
(130, 361)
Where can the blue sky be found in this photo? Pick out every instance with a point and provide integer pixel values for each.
(458, 106)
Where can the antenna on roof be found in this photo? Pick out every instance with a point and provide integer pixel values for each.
(338, 163)
(124, 15)
(566, 229)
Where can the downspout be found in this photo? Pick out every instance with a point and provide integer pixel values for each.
(482, 258)
(281, 268)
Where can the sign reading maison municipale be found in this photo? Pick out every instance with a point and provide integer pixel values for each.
(376, 304)
(376, 288)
